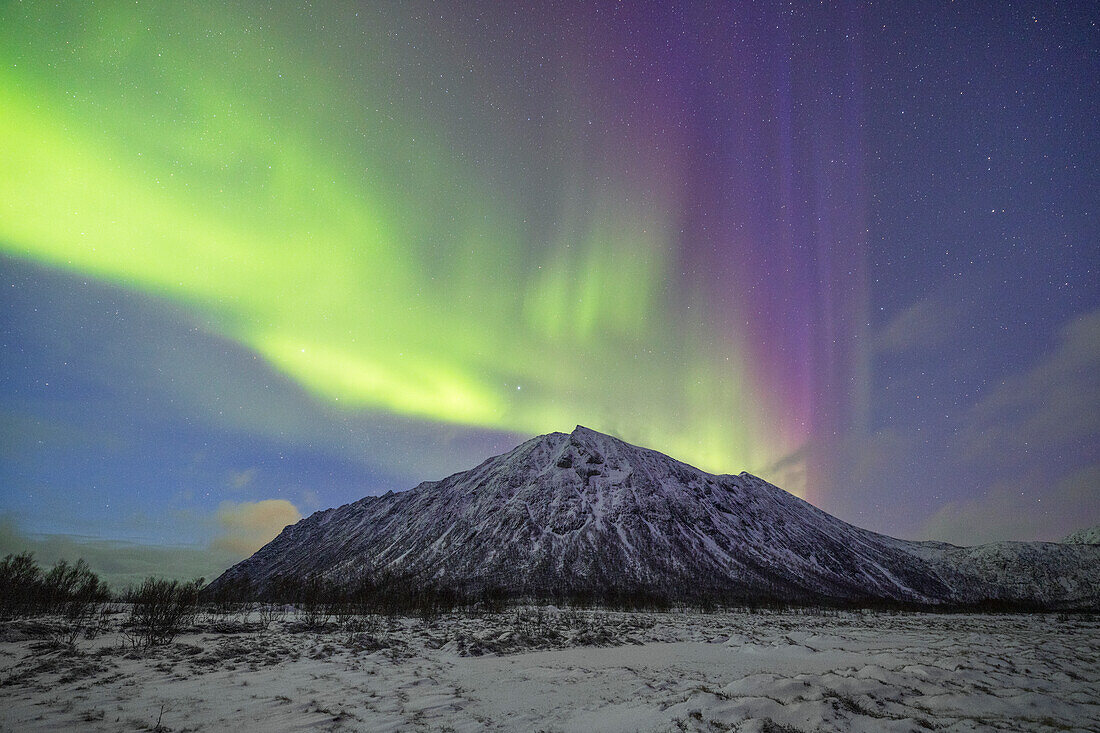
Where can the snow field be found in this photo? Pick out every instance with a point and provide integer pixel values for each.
(555, 670)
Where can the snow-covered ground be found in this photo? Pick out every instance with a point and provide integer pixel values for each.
(553, 670)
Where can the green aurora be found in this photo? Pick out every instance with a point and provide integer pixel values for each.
(296, 197)
(313, 251)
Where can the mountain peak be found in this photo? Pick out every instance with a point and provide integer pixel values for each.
(583, 434)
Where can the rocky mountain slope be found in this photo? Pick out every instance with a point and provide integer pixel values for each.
(1087, 536)
(586, 513)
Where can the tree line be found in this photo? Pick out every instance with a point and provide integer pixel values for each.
(79, 602)
(157, 610)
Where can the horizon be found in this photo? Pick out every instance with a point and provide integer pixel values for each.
(258, 262)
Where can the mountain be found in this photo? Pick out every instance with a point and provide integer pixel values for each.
(587, 514)
(1088, 536)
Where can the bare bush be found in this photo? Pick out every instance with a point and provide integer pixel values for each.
(78, 595)
(160, 610)
(269, 613)
(21, 587)
(316, 602)
(71, 591)
(231, 598)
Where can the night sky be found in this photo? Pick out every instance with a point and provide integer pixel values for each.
(263, 260)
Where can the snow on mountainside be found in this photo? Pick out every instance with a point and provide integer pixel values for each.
(587, 513)
(1088, 536)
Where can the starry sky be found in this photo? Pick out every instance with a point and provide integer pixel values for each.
(265, 259)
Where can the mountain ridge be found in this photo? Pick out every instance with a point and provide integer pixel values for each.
(1084, 536)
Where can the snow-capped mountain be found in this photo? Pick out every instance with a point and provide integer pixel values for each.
(1087, 536)
(587, 513)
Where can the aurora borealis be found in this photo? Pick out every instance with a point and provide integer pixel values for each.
(353, 235)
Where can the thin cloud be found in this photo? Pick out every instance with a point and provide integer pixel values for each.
(244, 527)
(248, 526)
(1051, 410)
(930, 323)
(119, 563)
(1024, 509)
(239, 480)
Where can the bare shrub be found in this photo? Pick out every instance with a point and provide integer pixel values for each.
(75, 593)
(269, 613)
(160, 610)
(316, 602)
(231, 599)
(21, 586)
(71, 591)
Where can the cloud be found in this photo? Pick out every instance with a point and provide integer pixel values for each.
(1018, 462)
(239, 480)
(1024, 509)
(119, 563)
(245, 527)
(931, 323)
(870, 479)
(791, 473)
(1051, 411)
(248, 526)
(1034, 443)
